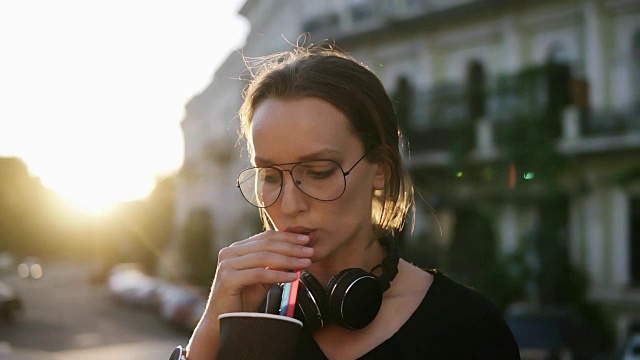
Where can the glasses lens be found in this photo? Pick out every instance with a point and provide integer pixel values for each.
(260, 186)
(320, 179)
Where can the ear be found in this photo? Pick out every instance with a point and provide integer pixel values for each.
(381, 175)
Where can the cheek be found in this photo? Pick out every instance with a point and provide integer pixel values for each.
(354, 204)
(352, 208)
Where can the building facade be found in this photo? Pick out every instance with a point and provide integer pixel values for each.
(521, 122)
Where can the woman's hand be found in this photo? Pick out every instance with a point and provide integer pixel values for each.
(248, 268)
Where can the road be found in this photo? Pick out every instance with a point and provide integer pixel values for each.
(68, 318)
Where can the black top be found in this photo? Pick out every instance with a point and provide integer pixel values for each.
(453, 321)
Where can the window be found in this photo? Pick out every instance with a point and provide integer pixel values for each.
(635, 59)
(634, 241)
(403, 102)
(476, 90)
(559, 78)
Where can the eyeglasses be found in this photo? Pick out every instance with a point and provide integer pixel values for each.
(323, 180)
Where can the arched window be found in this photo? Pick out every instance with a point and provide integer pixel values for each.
(635, 59)
(557, 54)
(634, 238)
(476, 90)
(558, 78)
(403, 101)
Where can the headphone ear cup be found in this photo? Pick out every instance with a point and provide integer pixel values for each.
(311, 307)
(354, 298)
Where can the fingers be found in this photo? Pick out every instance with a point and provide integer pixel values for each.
(269, 243)
(275, 235)
(247, 267)
(263, 258)
(253, 276)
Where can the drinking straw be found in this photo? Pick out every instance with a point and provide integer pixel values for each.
(293, 296)
(284, 302)
(289, 297)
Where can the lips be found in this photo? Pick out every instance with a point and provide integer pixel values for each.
(311, 233)
(298, 230)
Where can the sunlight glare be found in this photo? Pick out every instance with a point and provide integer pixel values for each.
(97, 193)
(95, 109)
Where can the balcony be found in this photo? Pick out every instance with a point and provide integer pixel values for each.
(612, 121)
(323, 24)
(451, 111)
(439, 120)
(367, 16)
(534, 105)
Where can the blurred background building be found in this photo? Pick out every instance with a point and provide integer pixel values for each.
(521, 122)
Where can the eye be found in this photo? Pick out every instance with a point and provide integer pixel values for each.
(317, 169)
(270, 175)
(320, 174)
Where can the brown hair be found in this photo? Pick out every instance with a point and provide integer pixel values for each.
(327, 73)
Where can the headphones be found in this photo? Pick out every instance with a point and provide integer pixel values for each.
(352, 298)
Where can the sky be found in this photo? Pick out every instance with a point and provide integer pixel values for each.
(92, 92)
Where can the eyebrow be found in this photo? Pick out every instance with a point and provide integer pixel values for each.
(321, 154)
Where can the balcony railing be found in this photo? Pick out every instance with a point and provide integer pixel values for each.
(446, 118)
(364, 16)
(612, 122)
(322, 24)
(439, 120)
(446, 115)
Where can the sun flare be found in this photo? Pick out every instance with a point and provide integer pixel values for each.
(96, 194)
(97, 123)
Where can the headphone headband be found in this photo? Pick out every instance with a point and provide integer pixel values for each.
(352, 298)
(389, 264)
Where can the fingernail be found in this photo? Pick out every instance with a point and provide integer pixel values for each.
(303, 237)
(307, 250)
(304, 261)
(292, 275)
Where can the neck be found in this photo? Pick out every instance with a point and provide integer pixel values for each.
(364, 256)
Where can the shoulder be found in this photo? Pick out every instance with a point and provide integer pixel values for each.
(442, 303)
(460, 319)
(458, 300)
(458, 304)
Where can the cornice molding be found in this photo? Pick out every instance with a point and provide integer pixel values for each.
(552, 17)
(622, 6)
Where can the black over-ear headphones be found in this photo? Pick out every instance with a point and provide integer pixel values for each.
(352, 298)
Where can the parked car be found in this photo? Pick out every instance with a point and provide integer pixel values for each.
(551, 333)
(181, 305)
(11, 305)
(7, 263)
(30, 267)
(129, 284)
(631, 350)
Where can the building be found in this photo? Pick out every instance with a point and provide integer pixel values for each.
(521, 119)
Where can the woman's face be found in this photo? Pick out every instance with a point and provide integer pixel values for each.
(285, 131)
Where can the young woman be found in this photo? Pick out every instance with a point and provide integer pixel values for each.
(331, 188)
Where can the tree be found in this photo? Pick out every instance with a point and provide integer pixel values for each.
(22, 229)
(198, 258)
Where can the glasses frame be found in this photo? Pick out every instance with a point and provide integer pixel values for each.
(281, 171)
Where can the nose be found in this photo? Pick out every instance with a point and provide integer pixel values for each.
(292, 199)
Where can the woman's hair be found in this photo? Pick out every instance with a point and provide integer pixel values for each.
(329, 74)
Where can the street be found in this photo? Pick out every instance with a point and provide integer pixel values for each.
(67, 317)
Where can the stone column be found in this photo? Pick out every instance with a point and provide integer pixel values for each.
(594, 54)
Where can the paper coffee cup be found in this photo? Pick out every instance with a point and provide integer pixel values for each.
(253, 335)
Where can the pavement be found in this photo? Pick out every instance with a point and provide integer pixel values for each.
(67, 317)
(148, 350)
